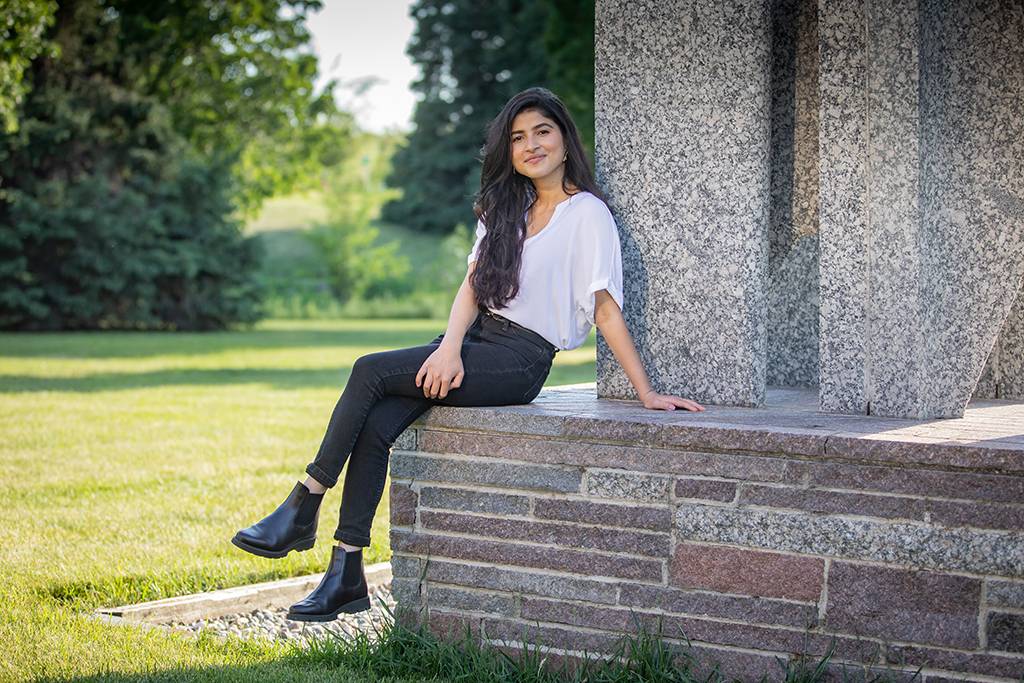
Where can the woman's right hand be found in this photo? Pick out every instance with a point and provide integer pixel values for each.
(440, 372)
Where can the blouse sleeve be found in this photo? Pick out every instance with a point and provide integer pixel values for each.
(480, 232)
(598, 264)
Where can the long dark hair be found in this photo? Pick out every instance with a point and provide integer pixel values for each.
(505, 195)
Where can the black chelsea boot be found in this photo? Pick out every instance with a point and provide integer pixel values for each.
(341, 590)
(292, 526)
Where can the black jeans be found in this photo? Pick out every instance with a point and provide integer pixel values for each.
(503, 365)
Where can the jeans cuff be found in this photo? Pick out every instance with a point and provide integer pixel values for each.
(325, 479)
(351, 539)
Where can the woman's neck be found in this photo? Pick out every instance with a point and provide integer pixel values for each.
(550, 192)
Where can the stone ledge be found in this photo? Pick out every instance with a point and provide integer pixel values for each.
(989, 438)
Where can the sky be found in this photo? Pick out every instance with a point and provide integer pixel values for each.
(362, 43)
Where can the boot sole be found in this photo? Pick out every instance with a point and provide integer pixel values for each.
(360, 605)
(298, 546)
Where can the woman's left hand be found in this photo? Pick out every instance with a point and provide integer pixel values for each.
(655, 401)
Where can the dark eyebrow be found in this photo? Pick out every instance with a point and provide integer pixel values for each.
(545, 123)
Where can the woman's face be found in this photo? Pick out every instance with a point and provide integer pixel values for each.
(537, 145)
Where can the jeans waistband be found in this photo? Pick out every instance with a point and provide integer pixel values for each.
(524, 332)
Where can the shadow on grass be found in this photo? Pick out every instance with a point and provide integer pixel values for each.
(67, 345)
(278, 378)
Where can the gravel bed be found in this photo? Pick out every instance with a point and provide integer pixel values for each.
(271, 623)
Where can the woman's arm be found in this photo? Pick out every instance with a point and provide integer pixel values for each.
(443, 370)
(464, 312)
(609, 320)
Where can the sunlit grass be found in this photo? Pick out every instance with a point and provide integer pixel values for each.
(127, 462)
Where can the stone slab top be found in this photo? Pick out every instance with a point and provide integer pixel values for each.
(989, 437)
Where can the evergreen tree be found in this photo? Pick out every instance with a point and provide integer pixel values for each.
(134, 149)
(474, 57)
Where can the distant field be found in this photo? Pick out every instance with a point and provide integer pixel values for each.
(281, 222)
(127, 462)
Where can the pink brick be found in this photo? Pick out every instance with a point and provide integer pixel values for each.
(620, 620)
(747, 572)
(522, 555)
(734, 665)
(961, 662)
(637, 457)
(833, 502)
(915, 481)
(706, 489)
(899, 604)
(616, 515)
(586, 537)
(452, 626)
(981, 515)
(549, 636)
(403, 505)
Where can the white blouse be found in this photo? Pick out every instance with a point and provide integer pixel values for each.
(574, 256)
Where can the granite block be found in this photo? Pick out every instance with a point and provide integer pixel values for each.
(606, 514)
(922, 243)
(1005, 632)
(523, 555)
(628, 485)
(474, 501)
(406, 441)
(570, 535)
(793, 310)
(405, 566)
(972, 164)
(518, 581)
(1004, 593)
(454, 598)
(486, 473)
(843, 214)
(747, 572)
(682, 149)
(1004, 369)
(406, 591)
(896, 604)
(919, 546)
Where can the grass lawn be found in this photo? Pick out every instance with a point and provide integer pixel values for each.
(127, 462)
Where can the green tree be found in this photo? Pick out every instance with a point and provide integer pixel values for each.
(110, 221)
(473, 57)
(569, 43)
(358, 266)
(22, 27)
(137, 145)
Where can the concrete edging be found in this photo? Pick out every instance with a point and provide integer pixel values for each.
(213, 604)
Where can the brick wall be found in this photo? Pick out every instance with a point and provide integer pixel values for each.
(908, 558)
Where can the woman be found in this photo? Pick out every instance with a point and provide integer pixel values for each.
(552, 272)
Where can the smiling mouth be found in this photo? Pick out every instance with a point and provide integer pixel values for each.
(534, 160)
